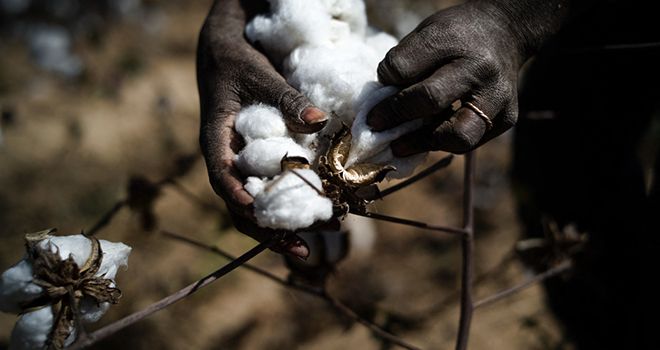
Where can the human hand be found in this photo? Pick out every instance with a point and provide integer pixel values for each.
(472, 53)
(232, 74)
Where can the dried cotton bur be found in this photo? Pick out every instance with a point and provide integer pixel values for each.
(63, 281)
(329, 53)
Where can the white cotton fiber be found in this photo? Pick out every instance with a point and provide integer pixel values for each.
(287, 202)
(17, 287)
(260, 122)
(32, 329)
(262, 157)
(367, 143)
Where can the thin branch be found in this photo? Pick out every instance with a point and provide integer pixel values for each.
(479, 280)
(173, 298)
(467, 306)
(177, 186)
(336, 304)
(107, 217)
(442, 163)
(341, 307)
(554, 271)
(446, 229)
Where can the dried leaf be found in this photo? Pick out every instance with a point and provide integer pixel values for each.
(289, 163)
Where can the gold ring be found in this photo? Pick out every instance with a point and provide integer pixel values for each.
(480, 113)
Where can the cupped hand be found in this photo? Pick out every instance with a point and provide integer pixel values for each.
(232, 74)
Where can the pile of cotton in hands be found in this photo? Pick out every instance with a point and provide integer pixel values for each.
(329, 53)
(17, 289)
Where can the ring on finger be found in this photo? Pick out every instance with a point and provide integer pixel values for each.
(480, 113)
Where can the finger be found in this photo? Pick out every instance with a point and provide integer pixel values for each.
(465, 130)
(504, 121)
(425, 99)
(459, 134)
(300, 115)
(416, 56)
(219, 143)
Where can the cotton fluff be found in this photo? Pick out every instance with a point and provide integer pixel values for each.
(262, 157)
(16, 288)
(326, 49)
(371, 146)
(260, 121)
(288, 202)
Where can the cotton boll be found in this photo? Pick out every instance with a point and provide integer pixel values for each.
(17, 287)
(262, 157)
(287, 202)
(260, 122)
(367, 143)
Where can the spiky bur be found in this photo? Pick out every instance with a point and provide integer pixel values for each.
(343, 185)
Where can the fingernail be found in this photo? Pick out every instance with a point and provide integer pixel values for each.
(298, 249)
(312, 115)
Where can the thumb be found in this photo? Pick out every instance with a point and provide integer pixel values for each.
(300, 115)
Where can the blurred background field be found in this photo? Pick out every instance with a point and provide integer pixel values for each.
(93, 95)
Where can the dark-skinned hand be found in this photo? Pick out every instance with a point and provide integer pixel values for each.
(472, 53)
(232, 74)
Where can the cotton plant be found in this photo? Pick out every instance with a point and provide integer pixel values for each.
(61, 282)
(328, 52)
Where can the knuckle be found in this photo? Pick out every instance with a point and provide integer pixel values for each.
(392, 68)
(458, 139)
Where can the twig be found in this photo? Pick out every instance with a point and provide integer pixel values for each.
(479, 280)
(173, 298)
(442, 163)
(467, 306)
(446, 229)
(554, 271)
(318, 292)
(177, 186)
(107, 217)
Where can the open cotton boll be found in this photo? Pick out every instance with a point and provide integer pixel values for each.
(262, 157)
(18, 288)
(367, 143)
(287, 202)
(260, 121)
